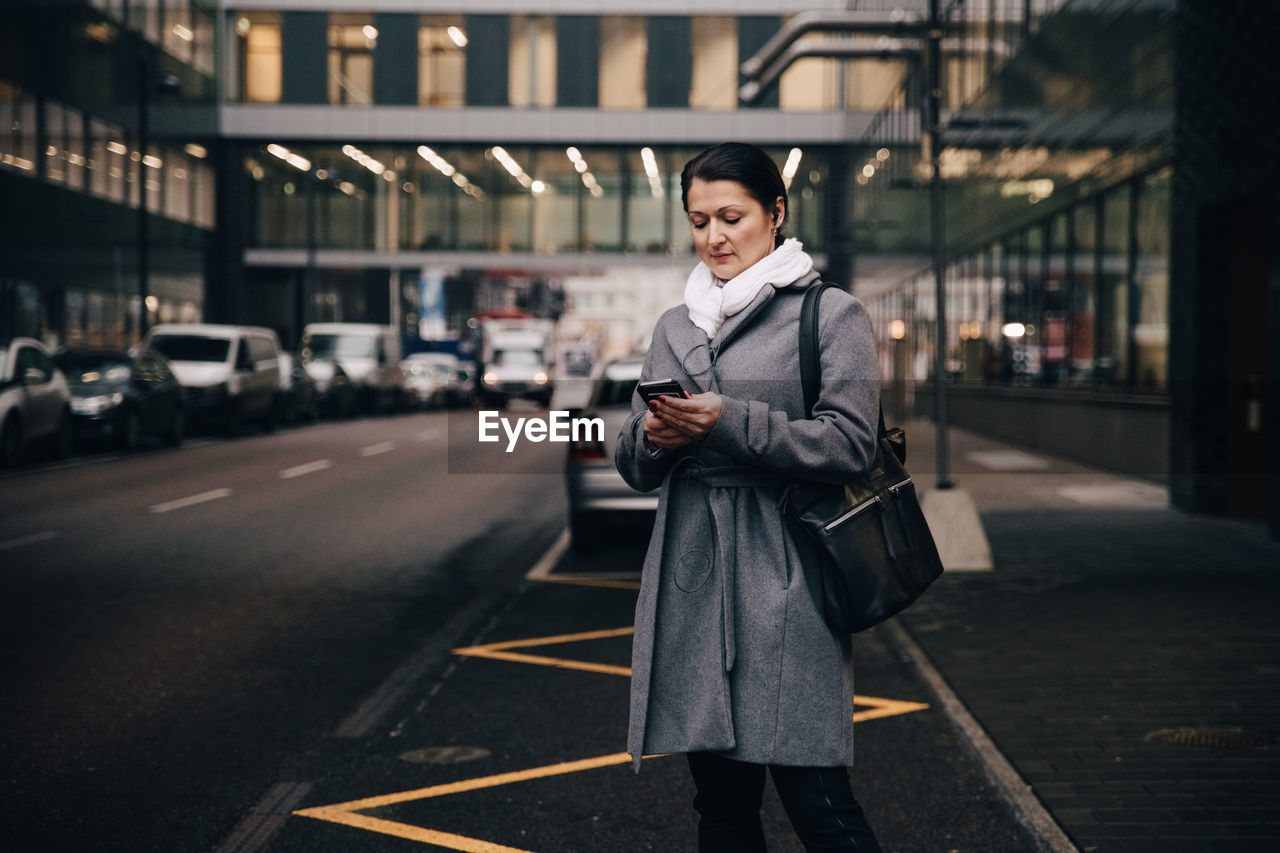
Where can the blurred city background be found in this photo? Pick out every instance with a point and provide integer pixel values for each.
(260, 260)
(421, 165)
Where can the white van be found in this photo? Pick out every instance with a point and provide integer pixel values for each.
(230, 374)
(369, 355)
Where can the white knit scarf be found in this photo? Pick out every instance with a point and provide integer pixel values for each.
(711, 302)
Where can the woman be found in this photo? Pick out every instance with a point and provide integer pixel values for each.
(732, 662)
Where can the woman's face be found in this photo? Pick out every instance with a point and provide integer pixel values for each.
(731, 231)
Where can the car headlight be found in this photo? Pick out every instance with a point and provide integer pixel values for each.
(490, 378)
(540, 378)
(97, 403)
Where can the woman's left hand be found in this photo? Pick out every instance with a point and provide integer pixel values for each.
(694, 416)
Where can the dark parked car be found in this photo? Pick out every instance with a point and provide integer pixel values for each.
(336, 395)
(597, 492)
(119, 397)
(299, 400)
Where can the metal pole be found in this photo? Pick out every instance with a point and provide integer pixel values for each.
(144, 244)
(931, 105)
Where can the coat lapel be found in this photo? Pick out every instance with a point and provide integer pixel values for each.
(688, 344)
(740, 321)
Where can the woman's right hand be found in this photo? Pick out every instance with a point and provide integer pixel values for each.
(662, 434)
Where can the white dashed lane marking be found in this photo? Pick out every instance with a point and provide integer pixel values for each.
(305, 468)
(31, 539)
(192, 500)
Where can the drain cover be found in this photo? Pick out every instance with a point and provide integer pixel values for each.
(1208, 738)
(444, 754)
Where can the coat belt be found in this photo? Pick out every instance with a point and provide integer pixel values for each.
(719, 506)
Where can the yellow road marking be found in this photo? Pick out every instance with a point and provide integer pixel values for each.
(587, 580)
(499, 651)
(549, 641)
(883, 708)
(347, 813)
(559, 663)
(877, 708)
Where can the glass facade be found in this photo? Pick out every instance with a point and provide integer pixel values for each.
(90, 155)
(515, 198)
(1078, 299)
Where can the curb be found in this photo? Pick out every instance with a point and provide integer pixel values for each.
(1027, 807)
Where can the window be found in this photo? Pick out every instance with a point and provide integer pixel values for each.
(1113, 291)
(1151, 333)
(17, 128)
(352, 39)
(144, 16)
(623, 48)
(646, 212)
(441, 61)
(261, 349)
(810, 84)
(153, 171)
(177, 187)
(261, 61)
(532, 62)
(715, 63)
(1083, 290)
(204, 211)
(64, 145)
(179, 37)
(106, 160)
(601, 201)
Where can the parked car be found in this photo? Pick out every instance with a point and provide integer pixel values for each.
(465, 386)
(35, 404)
(336, 397)
(118, 397)
(369, 354)
(430, 378)
(230, 374)
(299, 400)
(597, 492)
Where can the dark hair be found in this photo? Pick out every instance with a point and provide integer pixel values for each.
(743, 164)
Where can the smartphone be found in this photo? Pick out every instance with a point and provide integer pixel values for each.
(660, 388)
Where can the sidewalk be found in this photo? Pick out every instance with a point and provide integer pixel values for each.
(1122, 654)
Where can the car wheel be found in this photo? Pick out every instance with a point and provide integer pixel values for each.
(130, 430)
(10, 442)
(177, 426)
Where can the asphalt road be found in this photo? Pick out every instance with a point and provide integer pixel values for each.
(325, 639)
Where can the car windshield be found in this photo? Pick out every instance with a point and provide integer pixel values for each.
(191, 347)
(616, 385)
(337, 346)
(615, 392)
(87, 367)
(517, 357)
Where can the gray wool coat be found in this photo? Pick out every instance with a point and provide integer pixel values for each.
(731, 654)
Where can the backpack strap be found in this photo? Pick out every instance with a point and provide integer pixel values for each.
(810, 364)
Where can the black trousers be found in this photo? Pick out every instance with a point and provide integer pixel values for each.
(818, 800)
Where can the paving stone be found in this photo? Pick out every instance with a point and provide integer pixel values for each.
(1099, 627)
